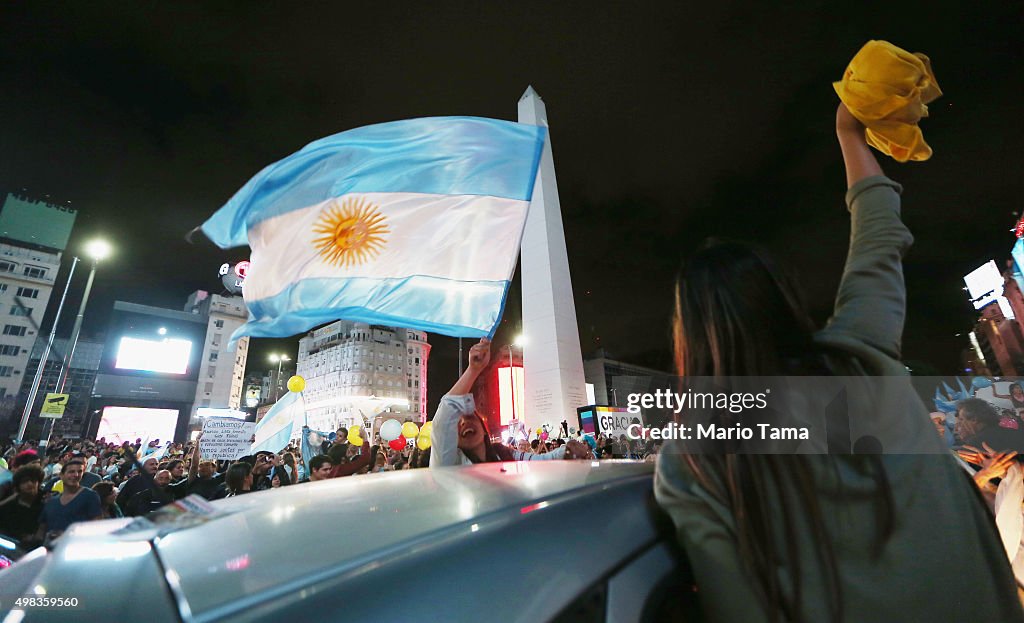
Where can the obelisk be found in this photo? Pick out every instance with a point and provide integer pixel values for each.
(552, 360)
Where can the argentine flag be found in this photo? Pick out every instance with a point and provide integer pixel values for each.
(412, 224)
(275, 429)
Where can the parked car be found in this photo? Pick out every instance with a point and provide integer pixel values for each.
(534, 541)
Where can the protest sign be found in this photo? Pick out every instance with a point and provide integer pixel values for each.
(226, 439)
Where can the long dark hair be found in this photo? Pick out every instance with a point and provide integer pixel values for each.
(493, 452)
(739, 314)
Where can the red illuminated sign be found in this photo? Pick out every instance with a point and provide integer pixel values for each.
(510, 394)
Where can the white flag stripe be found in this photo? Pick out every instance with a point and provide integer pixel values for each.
(427, 235)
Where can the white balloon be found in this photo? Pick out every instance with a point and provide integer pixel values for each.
(390, 430)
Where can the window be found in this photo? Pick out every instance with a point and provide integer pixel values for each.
(18, 310)
(7, 349)
(3, 288)
(34, 271)
(7, 267)
(219, 324)
(208, 388)
(3, 392)
(213, 356)
(6, 370)
(29, 293)
(13, 329)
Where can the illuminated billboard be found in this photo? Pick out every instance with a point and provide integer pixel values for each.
(611, 421)
(169, 356)
(121, 424)
(985, 285)
(510, 394)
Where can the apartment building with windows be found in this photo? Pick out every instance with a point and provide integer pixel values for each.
(221, 381)
(33, 237)
(352, 366)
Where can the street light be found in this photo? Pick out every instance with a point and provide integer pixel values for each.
(520, 341)
(97, 250)
(38, 378)
(278, 359)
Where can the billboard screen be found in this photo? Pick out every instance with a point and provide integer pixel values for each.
(985, 285)
(154, 343)
(36, 222)
(611, 421)
(510, 394)
(121, 424)
(587, 424)
(169, 356)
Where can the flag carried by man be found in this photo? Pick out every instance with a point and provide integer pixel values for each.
(274, 431)
(412, 223)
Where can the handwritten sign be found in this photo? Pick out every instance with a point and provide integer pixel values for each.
(226, 439)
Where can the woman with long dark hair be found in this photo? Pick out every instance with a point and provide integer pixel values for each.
(460, 435)
(825, 537)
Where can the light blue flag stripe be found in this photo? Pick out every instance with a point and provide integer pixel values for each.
(279, 439)
(388, 302)
(435, 155)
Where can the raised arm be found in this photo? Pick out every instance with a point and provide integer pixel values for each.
(444, 449)
(479, 357)
(193, 466)
(871, 303)
(860, 162)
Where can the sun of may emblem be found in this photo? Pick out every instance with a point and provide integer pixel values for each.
(350, 232)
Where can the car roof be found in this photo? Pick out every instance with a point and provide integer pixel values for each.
(307, 533)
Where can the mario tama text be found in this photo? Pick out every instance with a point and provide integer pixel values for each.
(688, 401)
(720, 432)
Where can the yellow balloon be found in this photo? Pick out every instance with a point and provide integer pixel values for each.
(426, 429)
(423, 443)
(355, 441)
(540, 430)
(296, 384)
(410, 430)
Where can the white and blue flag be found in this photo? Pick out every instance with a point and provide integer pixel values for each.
(274, 431)
(412, 224)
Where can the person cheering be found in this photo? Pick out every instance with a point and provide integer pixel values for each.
(460, 436)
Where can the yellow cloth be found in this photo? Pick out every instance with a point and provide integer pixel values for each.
(887, 88)
(58, 487)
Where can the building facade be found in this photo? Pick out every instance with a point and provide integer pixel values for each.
(33, 236)
(221, 382)
(614, 380)
(80, 380)
(149, 373)
(351, 368)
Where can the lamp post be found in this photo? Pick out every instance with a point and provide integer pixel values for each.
(519, 341)
(38, 378)
(97, 250)
(278, 359)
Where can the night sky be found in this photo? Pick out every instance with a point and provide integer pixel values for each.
(669, 124)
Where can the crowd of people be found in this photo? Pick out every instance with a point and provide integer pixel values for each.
(46, 489)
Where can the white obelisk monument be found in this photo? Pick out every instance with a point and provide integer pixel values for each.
(552, 360)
